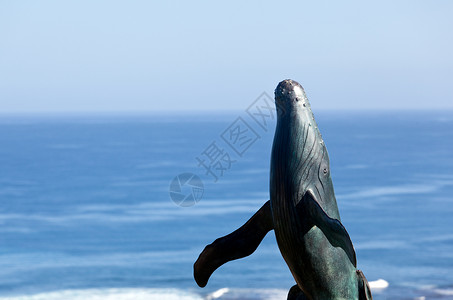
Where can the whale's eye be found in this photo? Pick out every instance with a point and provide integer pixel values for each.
(325, 171)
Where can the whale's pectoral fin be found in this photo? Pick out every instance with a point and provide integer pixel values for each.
(364, 287)
(332, 228)
(295, 293)
(235, 245)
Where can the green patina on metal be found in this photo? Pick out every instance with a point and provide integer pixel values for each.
(302, 211)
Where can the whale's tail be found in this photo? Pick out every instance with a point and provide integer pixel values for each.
(238, 244)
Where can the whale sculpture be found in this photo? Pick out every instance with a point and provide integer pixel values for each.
(302, 211)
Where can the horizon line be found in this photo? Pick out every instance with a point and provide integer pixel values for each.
(57, 113)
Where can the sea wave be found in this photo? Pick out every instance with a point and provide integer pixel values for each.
(423, 187)
(111, 294)
(444, 292)
(164, 294)
(251, 294)
(132, 213)
(437, 292)
(153, 294)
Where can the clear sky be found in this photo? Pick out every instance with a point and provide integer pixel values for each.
(148, 56)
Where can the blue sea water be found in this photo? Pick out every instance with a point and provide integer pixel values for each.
(85, 210)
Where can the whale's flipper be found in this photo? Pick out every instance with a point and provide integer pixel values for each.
(332, 228)
(295, 293)
(235, 245)
(364, 287)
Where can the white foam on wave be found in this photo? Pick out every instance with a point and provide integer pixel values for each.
(378, 284)
(217, 294)
(173, 294)
(111, 294)
(444, 292)
(244, 293)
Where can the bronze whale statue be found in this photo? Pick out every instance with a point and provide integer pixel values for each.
(302, 211)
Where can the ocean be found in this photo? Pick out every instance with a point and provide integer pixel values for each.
(90, 206)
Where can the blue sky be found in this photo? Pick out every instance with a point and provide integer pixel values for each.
(150, 56)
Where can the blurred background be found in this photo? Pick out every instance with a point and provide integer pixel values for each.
(103, 105)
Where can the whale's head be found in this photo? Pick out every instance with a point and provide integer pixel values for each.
(294, 113)
(300, 162)
(290, 98)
